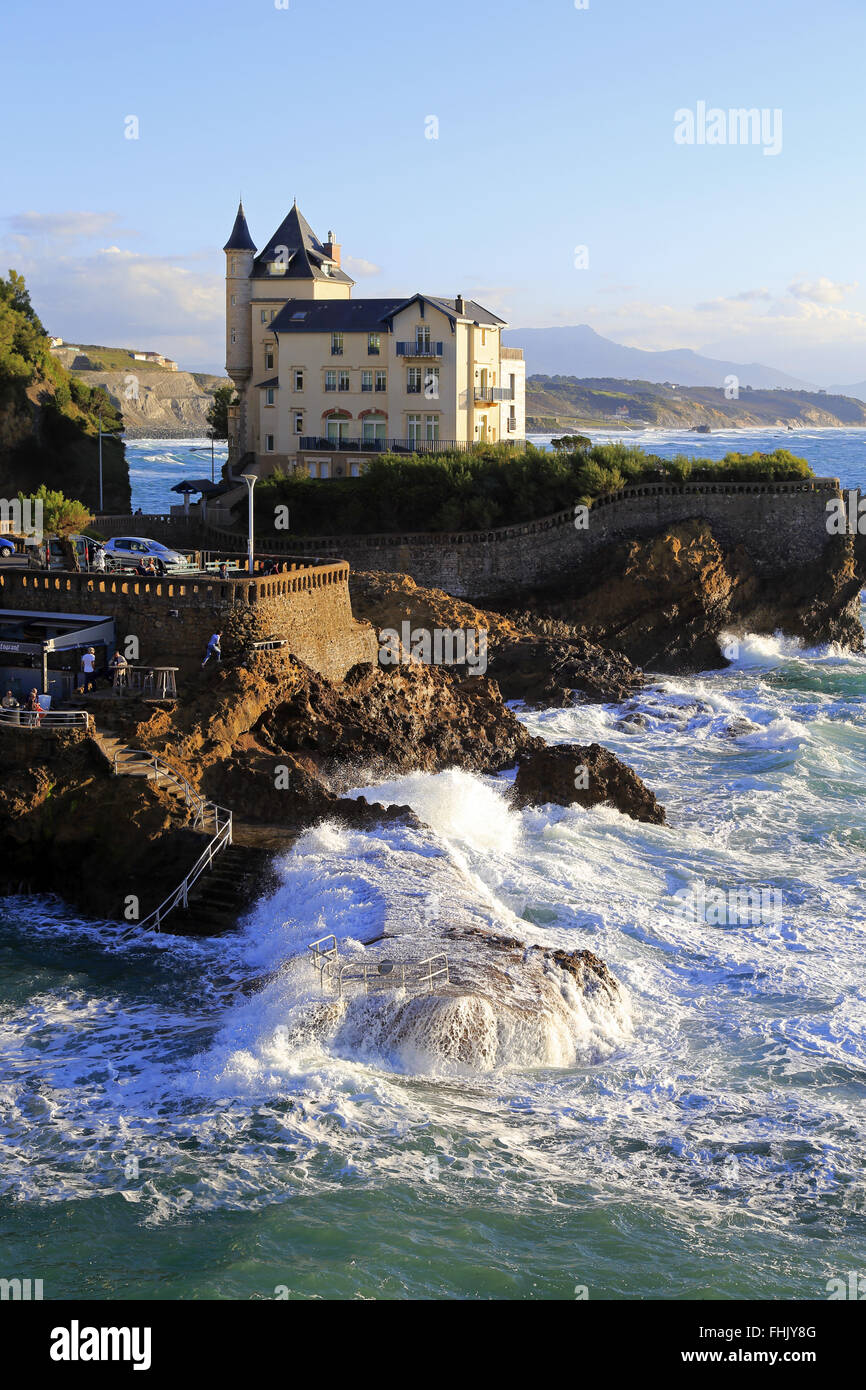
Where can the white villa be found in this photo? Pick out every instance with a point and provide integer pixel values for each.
(325, 381)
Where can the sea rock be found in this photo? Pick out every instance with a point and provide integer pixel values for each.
(571, 773)
(538, 660)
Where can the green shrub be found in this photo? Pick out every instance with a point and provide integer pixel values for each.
(490, 485)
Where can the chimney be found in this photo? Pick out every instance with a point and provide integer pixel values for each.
(460, 304)
(332, 249)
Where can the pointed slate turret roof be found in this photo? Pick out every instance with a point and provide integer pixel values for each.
(306, 254)
(240, 239)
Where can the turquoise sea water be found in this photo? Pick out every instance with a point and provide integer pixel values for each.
(167, 1133)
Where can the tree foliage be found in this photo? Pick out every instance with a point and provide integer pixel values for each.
(491, 485)
(23, 344)
(218, 411)
(61, 516)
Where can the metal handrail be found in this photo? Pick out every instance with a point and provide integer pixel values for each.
(494, 393)
(322, 959)
(435, 973)
(140, 757)
(49, 719)
(180, 896)
(221, 839)
(390, 974)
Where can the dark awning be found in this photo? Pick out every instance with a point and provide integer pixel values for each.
(203, 485)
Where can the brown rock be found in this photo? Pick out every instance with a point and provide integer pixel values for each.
(555, 775)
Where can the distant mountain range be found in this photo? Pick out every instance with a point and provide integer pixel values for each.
(581, 352)
(569, 405)
(858, 390)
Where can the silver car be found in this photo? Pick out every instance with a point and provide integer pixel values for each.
(126, 552)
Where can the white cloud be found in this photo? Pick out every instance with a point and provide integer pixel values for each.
(36, 227)
(117, 297)
(820, 291)
(358, 268)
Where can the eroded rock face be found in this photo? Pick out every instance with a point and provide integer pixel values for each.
(534, 659)
(575, 774)
(67, 826)
(400, 719)
(555, 670)
(664, 602)
(279, 744)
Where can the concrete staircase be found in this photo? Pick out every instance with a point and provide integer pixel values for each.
(222, 896)
(233, 878)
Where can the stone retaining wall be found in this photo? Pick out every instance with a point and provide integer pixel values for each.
(780, 524)
(173, 618)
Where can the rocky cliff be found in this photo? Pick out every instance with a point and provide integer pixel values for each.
(157, 404)
(665, 602)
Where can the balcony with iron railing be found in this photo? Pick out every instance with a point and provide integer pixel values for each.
(489, 395)
(320, 444)
(419, 348)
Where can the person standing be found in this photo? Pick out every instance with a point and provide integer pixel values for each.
(99, 560)
(88, 666)
(34, 710)
(213, 649)
(120, 667)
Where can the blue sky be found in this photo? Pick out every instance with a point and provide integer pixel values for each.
(555, 131)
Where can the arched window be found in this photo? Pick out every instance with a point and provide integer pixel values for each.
(337, 425)
(374, 427)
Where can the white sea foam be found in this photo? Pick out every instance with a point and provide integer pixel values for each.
(732, 1073)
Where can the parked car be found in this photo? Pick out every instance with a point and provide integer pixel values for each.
(126, 552)
(49, 553)
(7, 547)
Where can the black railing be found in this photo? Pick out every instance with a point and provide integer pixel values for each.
(417, 349)
(318, 443)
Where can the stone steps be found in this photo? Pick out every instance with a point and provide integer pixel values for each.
(227, 888)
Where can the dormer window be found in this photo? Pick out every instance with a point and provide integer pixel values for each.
(277, 267)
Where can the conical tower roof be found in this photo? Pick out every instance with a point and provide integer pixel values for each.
(240, 239)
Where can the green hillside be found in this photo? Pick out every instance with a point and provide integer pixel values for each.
(568, 402)
(108, 359)
(49, 420)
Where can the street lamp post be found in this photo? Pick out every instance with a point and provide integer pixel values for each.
(250, 480)
(100, 461)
